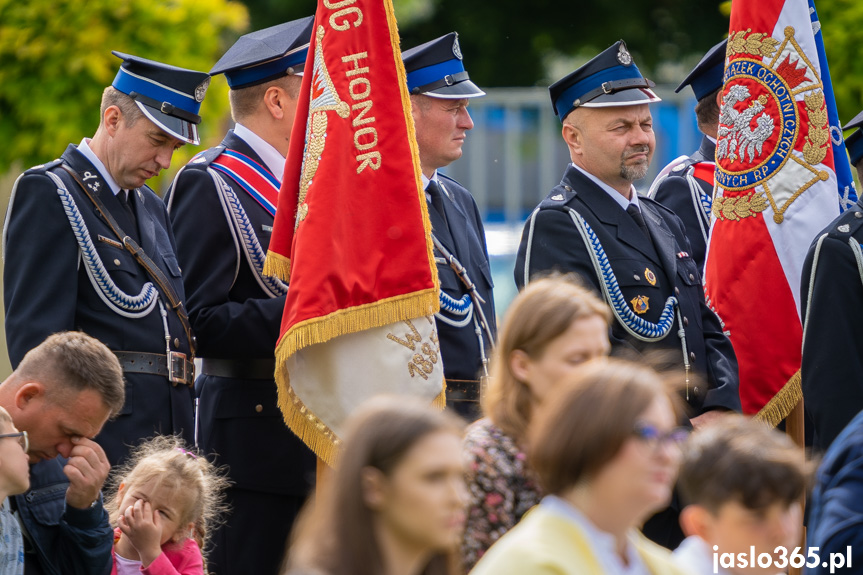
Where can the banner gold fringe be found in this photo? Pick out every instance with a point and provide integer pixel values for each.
(783, 402)
(322, 440)
(359, 318)
(277, 266)
(412, 139)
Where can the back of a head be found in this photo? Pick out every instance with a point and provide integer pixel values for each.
(743, 460)
(71, 362)
(590, 417)
(335, 535)
(543, 311)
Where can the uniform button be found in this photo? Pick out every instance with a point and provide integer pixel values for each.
(677, 291)
(116, 262)
(691, 278)
(858, 215)
(685, 321)
(637, 277)
(259, 408)
(176, 342)
(695, 390)
(692, 356)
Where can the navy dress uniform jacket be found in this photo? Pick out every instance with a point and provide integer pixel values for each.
(464, 236)
(675, 193)
(234, 318)
(47, 289)
(832, 305)
(557, 245)
(836, 506)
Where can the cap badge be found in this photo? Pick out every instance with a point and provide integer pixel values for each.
(639, 304)
(201, 90)
(650, 276)
(623, 56)
(456, 50)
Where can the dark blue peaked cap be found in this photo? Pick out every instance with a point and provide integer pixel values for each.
(854, 142)
(609, 79)
(267, 54)
(707, 75)
(436, 69)
(169, 96)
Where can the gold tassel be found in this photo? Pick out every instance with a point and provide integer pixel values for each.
(277, 266)
(783, 402)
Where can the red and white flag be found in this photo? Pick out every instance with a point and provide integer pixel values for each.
(352, 233)
(776, 190)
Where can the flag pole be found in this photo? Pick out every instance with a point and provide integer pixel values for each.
(794, 428)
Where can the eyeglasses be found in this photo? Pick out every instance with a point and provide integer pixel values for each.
(23, 439)
(653, 438)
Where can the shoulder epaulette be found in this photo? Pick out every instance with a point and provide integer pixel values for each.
(558, 197)
(453, 180)
(42, 168)
(654, 203)
(847, 224)
(205, 158)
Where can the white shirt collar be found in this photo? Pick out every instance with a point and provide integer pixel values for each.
(84, 148)
(603, 544)
(710, 138)
(426, 180)
(617, 196)
(274, 161)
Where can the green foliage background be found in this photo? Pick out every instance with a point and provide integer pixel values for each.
(56, 60)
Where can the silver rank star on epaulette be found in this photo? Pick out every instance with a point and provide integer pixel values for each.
(844, 228)
(198, 159)
(557, 197)
(95, 185)
(678, 167)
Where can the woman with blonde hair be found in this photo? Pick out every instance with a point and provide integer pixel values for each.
(550, 329)
(607, 452)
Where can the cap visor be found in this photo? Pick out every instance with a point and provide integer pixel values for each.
(855, 122)
(466, 89)
(629, 97)
(180, 129)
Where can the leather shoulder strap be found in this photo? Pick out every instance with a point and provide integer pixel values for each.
(141, 256)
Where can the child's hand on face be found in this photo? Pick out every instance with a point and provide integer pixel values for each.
(143, 527)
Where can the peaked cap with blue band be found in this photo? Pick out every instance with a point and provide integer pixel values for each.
(854, 142)
(169, 96)
(706, 77)
(267, 54)
(436, 69)
(609, 79)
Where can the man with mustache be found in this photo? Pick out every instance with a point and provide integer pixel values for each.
(88, 246)
(629, 248)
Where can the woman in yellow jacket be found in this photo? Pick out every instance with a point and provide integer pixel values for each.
(606, 450)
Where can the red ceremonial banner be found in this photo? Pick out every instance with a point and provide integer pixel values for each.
(351, 231)
(776, 189)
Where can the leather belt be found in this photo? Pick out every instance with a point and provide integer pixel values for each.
(463, 389)
(175, 366)
(240, 368)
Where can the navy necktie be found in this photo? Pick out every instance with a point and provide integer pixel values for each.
(636, 215)
(436, 194)
(126, 202)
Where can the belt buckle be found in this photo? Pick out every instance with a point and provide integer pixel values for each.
(177, 370)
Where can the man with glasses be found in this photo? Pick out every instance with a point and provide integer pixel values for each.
(59, 397)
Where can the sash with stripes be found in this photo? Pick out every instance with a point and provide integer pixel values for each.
(257, 180)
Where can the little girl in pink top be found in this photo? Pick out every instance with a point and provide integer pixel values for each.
(166, 499)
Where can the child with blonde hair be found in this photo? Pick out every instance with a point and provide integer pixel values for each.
(165, 503)
(14, 480)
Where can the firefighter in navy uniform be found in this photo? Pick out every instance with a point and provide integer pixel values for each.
(831, 299)
(88, 246)
(686, 185)
(440, 89)
(222, 205)
(631, 249)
